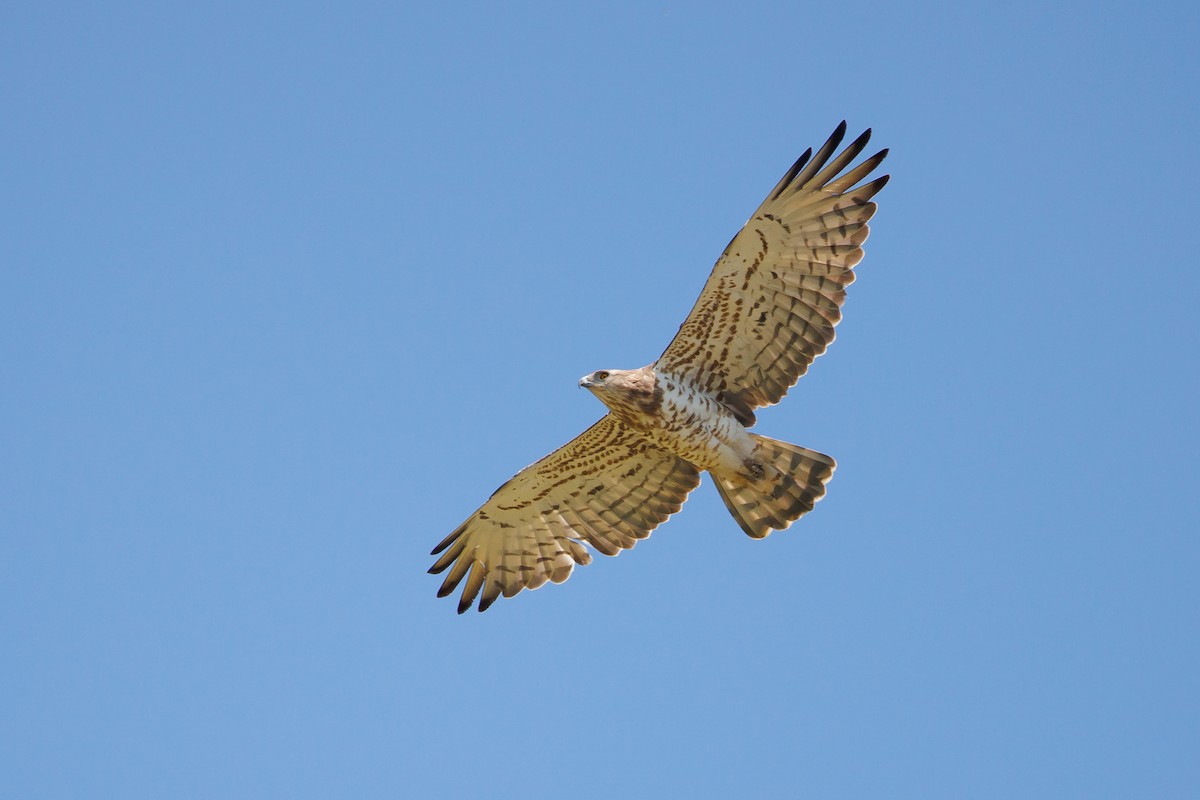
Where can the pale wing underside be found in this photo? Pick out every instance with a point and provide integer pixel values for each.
(775, 294)
(608, 487)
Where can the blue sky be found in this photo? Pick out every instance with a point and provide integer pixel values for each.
(287, 290)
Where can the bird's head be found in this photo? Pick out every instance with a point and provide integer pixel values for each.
(598, 381)
(628, 392)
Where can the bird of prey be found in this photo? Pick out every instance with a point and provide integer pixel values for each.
(768, 309)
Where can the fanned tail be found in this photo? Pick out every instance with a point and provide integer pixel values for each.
(793, 480)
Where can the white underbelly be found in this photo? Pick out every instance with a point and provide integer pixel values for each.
(700, 430)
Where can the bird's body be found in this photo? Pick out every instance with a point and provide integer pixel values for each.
(681, 419)
(768, 309)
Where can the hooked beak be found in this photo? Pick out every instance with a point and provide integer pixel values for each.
(586, 381)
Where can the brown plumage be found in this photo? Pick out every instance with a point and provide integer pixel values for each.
(768, 309)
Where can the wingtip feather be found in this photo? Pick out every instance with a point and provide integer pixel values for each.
(449, 540)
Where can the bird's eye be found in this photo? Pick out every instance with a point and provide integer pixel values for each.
(601, 375)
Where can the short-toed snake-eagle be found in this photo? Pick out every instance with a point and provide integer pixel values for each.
(768, 309)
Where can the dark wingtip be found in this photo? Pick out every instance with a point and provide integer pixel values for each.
(836, 138)
(444, 590)
(792, 172)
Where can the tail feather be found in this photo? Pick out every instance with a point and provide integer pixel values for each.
(793, 480)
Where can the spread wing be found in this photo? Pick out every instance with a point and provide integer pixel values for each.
(608, 487)
(772, 299)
